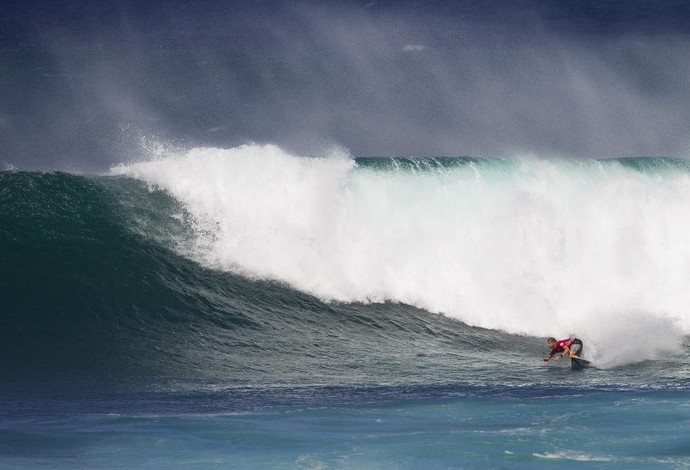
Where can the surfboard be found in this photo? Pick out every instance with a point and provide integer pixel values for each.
(578, 364)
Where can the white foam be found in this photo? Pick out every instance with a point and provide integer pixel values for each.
(543, 248)
(576, 456)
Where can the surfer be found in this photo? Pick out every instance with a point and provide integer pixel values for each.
(568, 346)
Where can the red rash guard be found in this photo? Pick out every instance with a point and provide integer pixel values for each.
(560, 345)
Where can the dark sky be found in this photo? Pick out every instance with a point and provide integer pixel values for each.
(83, 84)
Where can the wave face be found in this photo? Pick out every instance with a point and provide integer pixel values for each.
(92, 283)
(594, 248)
(253, 266)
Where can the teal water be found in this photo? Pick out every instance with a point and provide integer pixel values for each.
(605, 429)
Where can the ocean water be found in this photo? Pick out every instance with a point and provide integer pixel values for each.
(247, 307)
(177, 293)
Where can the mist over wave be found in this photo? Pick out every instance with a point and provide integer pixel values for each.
(541, 247)
(580, 79)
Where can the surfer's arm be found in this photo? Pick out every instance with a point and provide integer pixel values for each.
(550, 355)
(558, 353)
(566, 351)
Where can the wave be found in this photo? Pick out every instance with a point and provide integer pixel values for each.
(224, 263)
(597, 248)
(91, 282)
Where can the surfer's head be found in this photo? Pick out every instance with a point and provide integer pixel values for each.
(551, 341)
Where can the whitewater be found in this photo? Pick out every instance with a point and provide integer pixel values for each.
(598, 249)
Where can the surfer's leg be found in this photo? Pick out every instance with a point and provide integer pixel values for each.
(576, 349)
